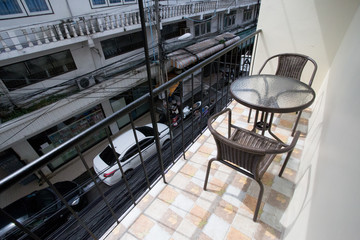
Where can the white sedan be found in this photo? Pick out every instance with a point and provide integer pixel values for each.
(105, 164)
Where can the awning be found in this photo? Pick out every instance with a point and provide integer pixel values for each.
(199, 51)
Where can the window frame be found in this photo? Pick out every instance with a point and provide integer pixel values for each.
(128, 38)
(26, 11)
(247, 12)
(16, 15)
(28, 79)
(231, 16)
(204, 24)
(129, 1)
(173, 34)
(39, 12)
(108, 4)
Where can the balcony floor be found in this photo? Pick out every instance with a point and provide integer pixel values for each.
(181, 209)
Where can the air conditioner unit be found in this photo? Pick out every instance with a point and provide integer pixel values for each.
(184, 30)
(85, 82)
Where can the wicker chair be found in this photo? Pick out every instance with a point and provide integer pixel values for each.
(247, 152)
(291, 65)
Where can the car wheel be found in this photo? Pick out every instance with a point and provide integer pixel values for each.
(129, 173)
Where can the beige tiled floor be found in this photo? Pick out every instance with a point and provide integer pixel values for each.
(181, 209)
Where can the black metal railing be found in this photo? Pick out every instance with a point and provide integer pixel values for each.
(201, 91)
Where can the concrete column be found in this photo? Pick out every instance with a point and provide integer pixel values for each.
(108, 111)
(27, 153)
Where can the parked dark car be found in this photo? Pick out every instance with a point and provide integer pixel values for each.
(42, 212)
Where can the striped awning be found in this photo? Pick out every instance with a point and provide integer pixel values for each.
(199, 51)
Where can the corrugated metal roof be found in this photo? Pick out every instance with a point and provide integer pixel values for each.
(198, 51)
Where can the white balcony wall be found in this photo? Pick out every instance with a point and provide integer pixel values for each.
(325, 200)
(65, 9)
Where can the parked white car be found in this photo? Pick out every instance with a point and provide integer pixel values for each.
(105, 164)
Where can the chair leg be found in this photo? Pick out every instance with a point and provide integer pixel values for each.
(258, 204)
(296, 123)
(285, 162)
(249, 115)
(208, 172)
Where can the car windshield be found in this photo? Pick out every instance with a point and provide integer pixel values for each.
(146, 130)
(108, 156)
(42, 200)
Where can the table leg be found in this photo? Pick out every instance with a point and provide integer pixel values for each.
(255, 120)
(264, 122)
(270, 132)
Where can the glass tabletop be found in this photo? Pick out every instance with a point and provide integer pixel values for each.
(272, 93)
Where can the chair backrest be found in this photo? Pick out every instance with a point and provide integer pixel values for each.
(246, 149)
(292, 65)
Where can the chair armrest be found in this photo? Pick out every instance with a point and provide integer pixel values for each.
(213, 117)
(288, 148)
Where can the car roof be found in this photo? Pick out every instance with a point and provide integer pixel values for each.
(126, 139)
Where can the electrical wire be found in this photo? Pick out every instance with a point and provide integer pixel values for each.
(27, 125)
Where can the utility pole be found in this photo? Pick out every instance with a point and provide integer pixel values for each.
(160, 44)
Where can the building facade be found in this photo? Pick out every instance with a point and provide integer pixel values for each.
(65, 65)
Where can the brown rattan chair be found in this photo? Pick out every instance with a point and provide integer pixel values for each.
(247, 152)
(291, 65)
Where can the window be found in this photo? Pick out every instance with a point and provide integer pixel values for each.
(247, 15)
(19, 8)
(229, 19)
(108, 3)
(35, 70)
(55, 136)
(202, 27)
(9, 7)
(172, 30)
(108, 156)
(119, 45)
(127, 97)
(134, 149)
(37, 5)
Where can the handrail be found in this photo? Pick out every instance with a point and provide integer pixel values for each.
(43, 160)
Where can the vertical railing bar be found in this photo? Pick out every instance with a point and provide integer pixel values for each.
(211, 65)
(228, 85)
(217, 85)
(201, 98)
(248, 50)
(95, 182)
(192, 107)
(226, 81)
(231, 65)
(119, 165)
(236, 58)
(139, 150)
(182, 116)
(168, 119)
(66, 204)
(18, 224)
(256, 37)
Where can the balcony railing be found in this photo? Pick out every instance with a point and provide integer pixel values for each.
(207, 96)
(78, 29)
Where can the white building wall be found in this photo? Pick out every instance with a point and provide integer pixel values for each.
(64, 10)
(325, 200)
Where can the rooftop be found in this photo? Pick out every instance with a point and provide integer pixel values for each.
(181, 209)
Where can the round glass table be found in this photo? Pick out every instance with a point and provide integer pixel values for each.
(271, 94)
